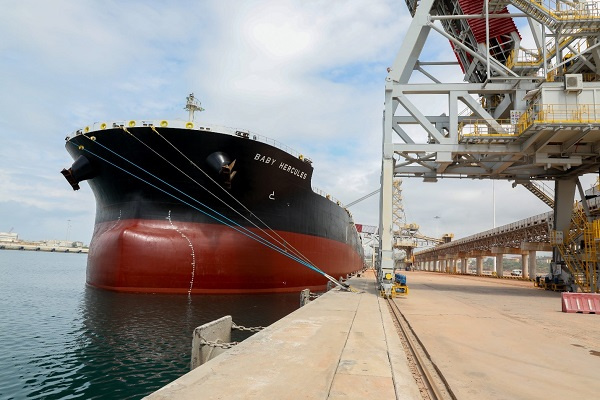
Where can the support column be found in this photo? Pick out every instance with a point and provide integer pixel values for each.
(524, 264)
(499, 269)
(387, 177)
(401, 70)
(532, 264)
(532, 249)
(463, 266)
(564, 193)
(479, 261)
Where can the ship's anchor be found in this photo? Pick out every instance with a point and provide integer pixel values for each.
(81, 170)
(221, 164)
(227, 173)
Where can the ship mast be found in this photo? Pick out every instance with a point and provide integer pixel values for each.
(192, 106)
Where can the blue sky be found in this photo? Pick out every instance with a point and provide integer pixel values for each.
(307, 73)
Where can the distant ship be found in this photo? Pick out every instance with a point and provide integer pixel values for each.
(183, 207)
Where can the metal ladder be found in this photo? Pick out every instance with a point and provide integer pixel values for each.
(556, 14)
(582, 261)
(541, 191)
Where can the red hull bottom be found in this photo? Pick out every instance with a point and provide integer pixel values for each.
(150, 256)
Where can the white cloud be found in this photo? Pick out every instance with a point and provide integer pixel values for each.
(309, 74)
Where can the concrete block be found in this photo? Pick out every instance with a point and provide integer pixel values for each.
(215, 331)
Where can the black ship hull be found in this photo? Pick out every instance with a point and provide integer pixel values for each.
(186, 209)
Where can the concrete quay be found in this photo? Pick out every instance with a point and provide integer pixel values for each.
(503, 339)
(37, 247)
(343, 345)
(490, 338)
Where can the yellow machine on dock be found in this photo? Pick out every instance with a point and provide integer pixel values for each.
(391, 288)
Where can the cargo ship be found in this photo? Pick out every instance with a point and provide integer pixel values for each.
(184, 207)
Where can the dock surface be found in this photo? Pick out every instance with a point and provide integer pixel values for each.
(344, 345)
(490, 338)
(503, 339)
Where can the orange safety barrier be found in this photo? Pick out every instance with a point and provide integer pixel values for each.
(585, 303)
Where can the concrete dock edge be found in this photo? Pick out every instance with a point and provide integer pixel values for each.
(342, 345)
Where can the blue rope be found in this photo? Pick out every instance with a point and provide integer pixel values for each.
(253, 236)
(173, 187)
(260, 239)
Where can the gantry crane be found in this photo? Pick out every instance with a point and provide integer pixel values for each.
(519, 114)
(406, 235)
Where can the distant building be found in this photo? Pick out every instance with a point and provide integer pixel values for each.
(62, 243)
(9, 237)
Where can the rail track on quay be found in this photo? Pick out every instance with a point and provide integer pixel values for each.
(429, 378)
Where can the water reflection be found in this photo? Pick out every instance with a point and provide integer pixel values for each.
(131, 344)
(62, 340)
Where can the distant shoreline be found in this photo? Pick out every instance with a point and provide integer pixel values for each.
(38, 247)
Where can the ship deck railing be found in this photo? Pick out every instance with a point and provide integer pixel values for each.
(327, 196)
(181, 124)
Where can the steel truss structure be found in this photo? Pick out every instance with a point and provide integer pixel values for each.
(520, 114)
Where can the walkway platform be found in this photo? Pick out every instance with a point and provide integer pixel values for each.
(342, 345)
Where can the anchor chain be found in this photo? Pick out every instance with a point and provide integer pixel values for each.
(228, 345)
(243, 328)
(217, 343)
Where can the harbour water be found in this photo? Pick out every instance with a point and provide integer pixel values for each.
(60, 339)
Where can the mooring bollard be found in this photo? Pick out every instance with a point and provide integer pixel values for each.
(210, 340)
(304, 297)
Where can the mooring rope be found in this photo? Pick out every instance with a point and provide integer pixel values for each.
(243, 230)
(285, 242)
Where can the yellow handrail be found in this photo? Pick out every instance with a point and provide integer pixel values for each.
(558, 113)
(567, 11)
